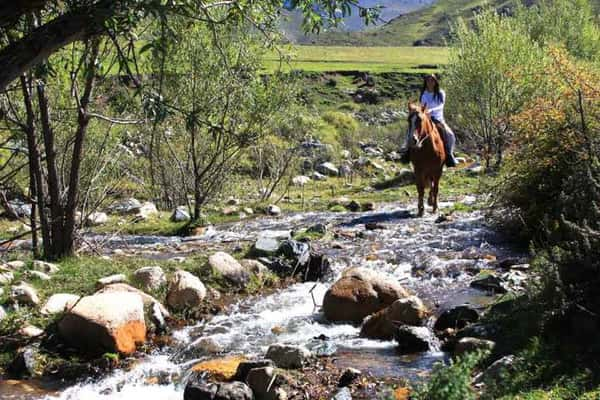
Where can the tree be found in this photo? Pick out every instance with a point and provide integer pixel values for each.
(35, 30)
(217, 105)
(571, 23)
(490, 77)
(64, 22)
(54, 125)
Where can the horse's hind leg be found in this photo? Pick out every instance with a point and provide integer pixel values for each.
(421, 191)
(430, 199)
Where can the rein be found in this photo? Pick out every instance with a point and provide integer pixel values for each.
(421, 141)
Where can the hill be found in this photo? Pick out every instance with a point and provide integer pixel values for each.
(428, 26)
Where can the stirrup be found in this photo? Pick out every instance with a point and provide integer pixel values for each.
(451, 161)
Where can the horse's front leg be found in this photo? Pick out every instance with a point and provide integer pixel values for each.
(434, 193)
(421, 191)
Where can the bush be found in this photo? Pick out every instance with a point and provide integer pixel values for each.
(450, 382)
(490, 76)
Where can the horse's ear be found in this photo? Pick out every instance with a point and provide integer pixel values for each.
(423, 108)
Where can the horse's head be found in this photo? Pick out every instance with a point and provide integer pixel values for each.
(418, 125)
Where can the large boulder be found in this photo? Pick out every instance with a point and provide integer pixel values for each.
(383, 324)
(359, 293)
(185, 291)
(150, 278)
(105, 322)
(58, 303)
(288, 356)
(229, 268)
(149, 301)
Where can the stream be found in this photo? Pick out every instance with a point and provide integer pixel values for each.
(429, 258)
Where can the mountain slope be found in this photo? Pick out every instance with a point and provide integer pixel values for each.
(427, 26)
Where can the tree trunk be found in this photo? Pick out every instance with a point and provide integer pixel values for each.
(56, 208)
(35, 168)
(65, 241)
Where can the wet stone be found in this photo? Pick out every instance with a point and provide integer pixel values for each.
(264, 384)
(296, 251)
(470, 344)
(353, 206)
(489, 283)
(371, 226)
(349, 376)
(245, 366)
(25, 362)
(343, 394)
(266, 246)
(414, 339)
(288, 356)
(318, 228)
(456, 318)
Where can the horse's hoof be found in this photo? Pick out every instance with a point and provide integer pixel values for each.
(420, 214)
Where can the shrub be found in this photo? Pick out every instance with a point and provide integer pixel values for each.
(450, 382)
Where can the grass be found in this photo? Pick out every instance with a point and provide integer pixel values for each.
(316, 196)
(371, 59)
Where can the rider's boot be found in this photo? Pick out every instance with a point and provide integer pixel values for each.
(450, 160)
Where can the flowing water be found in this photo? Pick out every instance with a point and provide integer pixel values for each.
(429, 258)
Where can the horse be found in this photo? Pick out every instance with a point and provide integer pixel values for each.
(427, 154)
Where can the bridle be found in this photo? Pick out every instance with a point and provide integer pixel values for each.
(411, 126)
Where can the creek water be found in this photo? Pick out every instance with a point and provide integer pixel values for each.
(431, 259)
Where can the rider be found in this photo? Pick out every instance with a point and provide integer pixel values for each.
(433, 97)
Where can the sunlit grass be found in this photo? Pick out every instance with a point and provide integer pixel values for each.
(371, 59)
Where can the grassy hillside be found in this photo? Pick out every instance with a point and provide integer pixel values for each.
(428, 26)
(372, 59)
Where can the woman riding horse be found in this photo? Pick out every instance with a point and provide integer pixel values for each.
(434, 98)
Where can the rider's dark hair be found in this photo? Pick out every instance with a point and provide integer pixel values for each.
(437, 94)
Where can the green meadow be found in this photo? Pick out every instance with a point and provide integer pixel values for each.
(346, 58)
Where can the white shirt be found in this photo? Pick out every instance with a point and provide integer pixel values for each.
(435, 106)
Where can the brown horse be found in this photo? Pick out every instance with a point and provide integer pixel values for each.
(427, 154)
